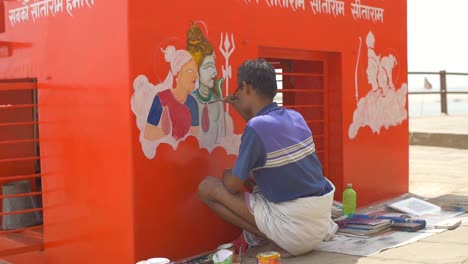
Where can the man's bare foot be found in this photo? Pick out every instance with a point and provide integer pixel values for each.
(270, 246)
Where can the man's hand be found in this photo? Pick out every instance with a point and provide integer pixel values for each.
(230, 99)
(235, 102)
(250, 183)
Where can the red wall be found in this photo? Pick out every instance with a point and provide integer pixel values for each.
(103, 199)
(81, 64)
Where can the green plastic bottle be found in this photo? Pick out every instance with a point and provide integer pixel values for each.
(349, 200)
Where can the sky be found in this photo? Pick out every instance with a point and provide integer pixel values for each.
(438, 35)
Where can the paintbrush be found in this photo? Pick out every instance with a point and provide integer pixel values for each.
(233, 97)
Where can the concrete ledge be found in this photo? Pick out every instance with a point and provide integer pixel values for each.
(445, 140)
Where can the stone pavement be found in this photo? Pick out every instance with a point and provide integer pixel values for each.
(441, 131)
(440, 124)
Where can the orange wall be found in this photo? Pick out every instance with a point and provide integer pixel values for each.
(170, 220)
(81, 64)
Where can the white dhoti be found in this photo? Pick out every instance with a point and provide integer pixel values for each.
(297, 226)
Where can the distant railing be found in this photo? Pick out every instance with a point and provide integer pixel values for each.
(443, 87)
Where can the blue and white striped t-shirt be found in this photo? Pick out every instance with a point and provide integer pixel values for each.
(277, 145)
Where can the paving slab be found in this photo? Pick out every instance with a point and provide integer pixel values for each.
(438, 171)
(439, 131)
(457, 236)
(314, 257)
(442, 124)
(427, 252)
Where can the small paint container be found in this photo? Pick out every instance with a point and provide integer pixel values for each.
(228, 246)
(270, 257)
(223, 256)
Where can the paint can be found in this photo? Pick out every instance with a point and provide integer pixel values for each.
(269, 257)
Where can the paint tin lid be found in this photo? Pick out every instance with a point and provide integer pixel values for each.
(228, 246)
(269, 255)
(158, 261)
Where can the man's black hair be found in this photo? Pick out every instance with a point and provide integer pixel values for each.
(260, 74)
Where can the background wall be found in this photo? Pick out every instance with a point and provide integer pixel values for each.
(170, 220)
(105, 200)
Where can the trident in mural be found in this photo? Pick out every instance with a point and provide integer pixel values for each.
(227, 51)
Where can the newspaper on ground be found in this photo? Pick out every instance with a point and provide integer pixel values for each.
(415, 206)
(371, 246)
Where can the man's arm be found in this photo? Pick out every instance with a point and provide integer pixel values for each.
(252, 155)
(232, 183)
(235, 185)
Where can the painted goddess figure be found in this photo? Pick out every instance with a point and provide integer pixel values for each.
(163, 112)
